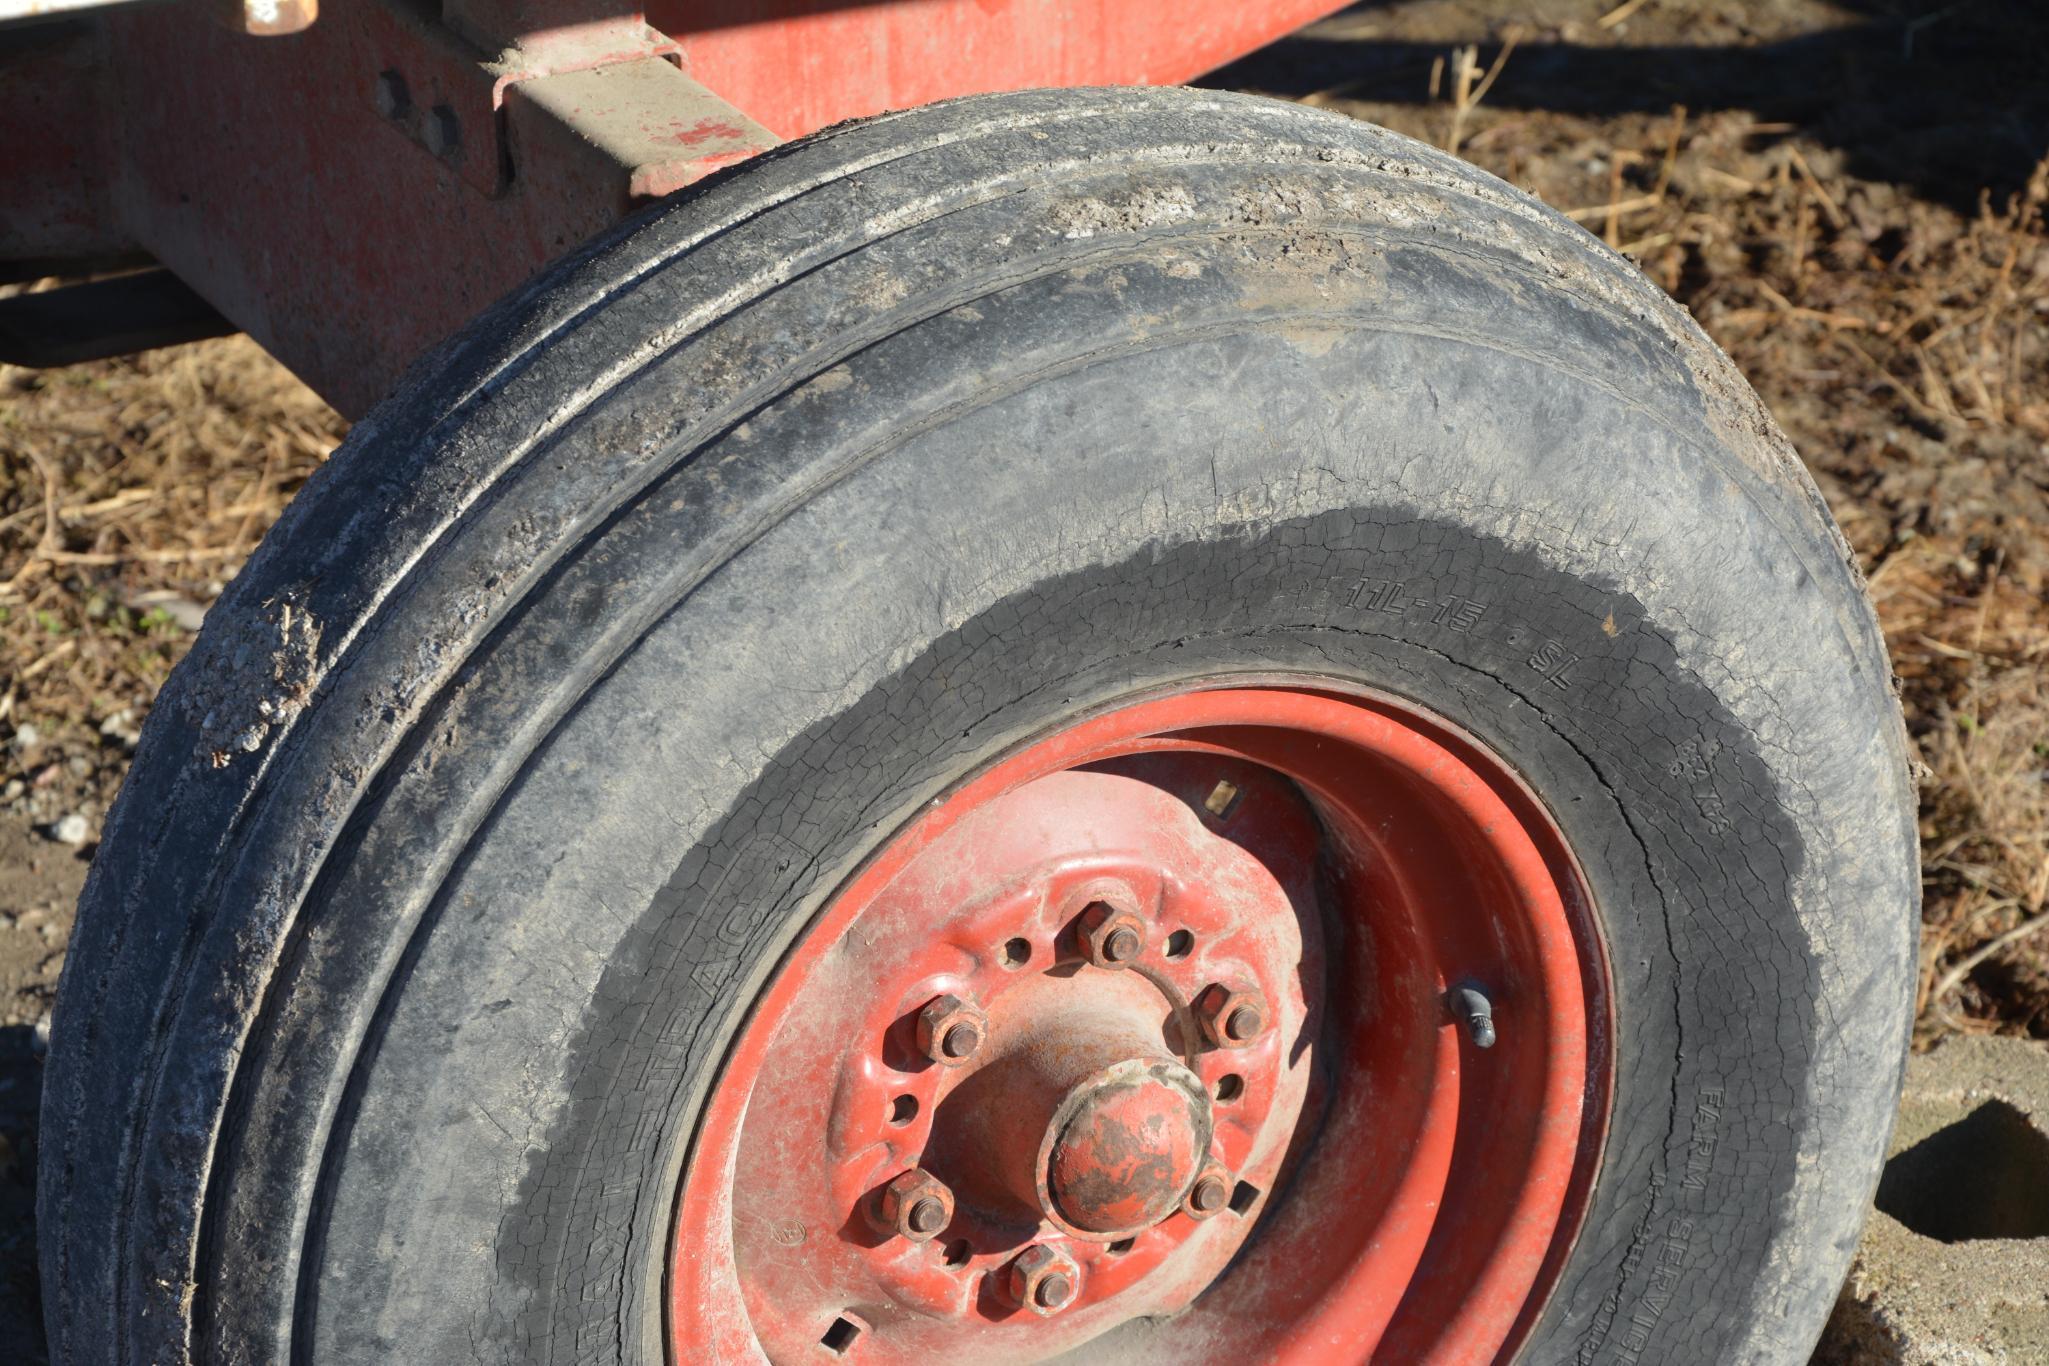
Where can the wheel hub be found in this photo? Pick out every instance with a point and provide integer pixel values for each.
(1079, 1116)
(1026, 1035)
(1125, 1148)
(1039, 1070)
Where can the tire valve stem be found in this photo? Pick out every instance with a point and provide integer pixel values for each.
(1476, 1012)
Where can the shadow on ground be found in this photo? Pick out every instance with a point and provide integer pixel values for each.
(21, 1088)
(1943, 96)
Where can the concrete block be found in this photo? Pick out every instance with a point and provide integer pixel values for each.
(1954, 1266)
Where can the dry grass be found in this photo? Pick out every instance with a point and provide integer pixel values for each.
(129, 492)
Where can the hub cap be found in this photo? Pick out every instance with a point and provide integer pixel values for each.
(1124, 1147)
(1033, 1077)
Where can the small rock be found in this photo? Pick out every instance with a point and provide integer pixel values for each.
(121, 727)
(27, 736)
(1954, 1264)
(72, 830)
(182, 612)
(39, 1040)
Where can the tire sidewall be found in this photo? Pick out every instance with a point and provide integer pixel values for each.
(1076, 547)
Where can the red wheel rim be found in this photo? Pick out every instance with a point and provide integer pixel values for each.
(960, 1119)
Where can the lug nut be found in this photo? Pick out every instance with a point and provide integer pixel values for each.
(1111, 938)
(1043, 1279)
(950, 1030)
(915, 1205)
(1210, 1193)
(1232, 1017)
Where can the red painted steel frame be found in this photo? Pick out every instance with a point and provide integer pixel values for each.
(271, 175)
(798, 65)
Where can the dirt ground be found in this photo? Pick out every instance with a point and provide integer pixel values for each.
(1849, 196)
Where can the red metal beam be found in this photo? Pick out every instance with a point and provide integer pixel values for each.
(55, 150)
(353, 193)
(800, 65)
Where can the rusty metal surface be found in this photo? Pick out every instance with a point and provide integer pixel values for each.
(1075, 1129)
(55, 152)
(1124, 1147)
(632, 131)
(348, 230)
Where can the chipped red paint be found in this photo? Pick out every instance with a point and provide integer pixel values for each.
(1414, 1194)
(704, 130)
(1124, 1148)
(55, 147)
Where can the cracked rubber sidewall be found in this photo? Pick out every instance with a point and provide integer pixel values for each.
(1076, 543)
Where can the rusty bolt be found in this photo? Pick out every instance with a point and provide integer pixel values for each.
(1111, 938)
(441, 131)
(1210, 1193)
(1232, 1017)
(1043, 1279)
(914, 1205)
(950, 1030)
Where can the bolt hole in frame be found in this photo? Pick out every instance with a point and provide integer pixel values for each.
(1330, 1072)
(839, 1339)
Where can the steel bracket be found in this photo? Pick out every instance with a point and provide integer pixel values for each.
(604, 103)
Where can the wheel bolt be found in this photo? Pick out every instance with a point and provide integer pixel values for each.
(960, 1040)
(1110, 937)
(913, 1205)
(1042, 1278)
(950, 1030)
(1231, 1017)
(1210, 1193)
(927, 1216)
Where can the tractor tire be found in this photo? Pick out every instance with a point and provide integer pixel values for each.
(832, 607)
